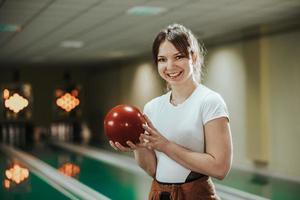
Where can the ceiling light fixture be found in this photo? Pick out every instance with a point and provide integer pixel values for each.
(71, 44)
(145, 10)
(9, 28)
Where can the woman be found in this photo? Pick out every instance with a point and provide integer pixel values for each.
(187, 137)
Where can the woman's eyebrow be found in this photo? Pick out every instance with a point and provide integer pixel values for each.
(175, 54)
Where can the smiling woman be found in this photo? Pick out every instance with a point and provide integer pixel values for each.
(187, 137)
(185, 48)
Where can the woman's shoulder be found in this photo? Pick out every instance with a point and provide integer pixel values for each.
(210, 96)
(157, 100)
(213, 106)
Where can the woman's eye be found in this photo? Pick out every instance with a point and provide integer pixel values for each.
(179, 57)
(161, 60)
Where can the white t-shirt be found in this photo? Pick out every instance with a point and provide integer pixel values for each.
(183, 124)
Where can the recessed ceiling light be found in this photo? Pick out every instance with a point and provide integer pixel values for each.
(9, 28)
(71, 44)
(145, 10)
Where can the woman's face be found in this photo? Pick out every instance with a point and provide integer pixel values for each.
(173, 66)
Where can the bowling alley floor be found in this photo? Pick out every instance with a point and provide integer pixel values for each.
(269, 187)
(100, 172)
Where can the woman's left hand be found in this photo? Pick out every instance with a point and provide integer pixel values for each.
(153, 139)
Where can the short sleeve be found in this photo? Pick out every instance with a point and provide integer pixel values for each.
(147, 109)
(214, 107)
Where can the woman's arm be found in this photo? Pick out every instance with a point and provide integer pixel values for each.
(215, 162)
(144, 157)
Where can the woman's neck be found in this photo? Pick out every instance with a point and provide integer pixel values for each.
(181, 92)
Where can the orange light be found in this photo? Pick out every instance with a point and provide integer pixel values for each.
(16, 103)
(74, 93)
(67, 102)
(58, 92)
(5, 94)
(6, 183)
(17, 173)
(69, 169)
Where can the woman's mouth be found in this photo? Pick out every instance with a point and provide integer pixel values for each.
(174, 75)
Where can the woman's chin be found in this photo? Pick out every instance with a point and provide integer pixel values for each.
(174, 83)
(180, 82)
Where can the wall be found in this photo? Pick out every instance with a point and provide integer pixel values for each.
(285, 103)
(140, 83)
(259, 80)
(44, 80)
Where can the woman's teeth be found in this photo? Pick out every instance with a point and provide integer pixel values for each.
(174, 74)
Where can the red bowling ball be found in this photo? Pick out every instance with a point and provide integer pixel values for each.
(124, 123)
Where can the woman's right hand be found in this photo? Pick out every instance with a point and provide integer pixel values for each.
(119, 147)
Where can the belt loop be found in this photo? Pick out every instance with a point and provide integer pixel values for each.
(176, 192)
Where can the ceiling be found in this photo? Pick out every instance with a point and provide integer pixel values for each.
(105, 30)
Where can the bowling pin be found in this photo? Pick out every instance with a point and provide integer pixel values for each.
(4, 133)
(60, 132)
(23, 136)
(11, 134)
(71, 133)
(67, 132)
(17, 135)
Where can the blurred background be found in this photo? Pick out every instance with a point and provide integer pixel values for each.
(65, 63)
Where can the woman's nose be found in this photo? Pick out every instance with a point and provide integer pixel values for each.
(170, 64)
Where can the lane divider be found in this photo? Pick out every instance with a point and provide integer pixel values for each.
(124, 162)
(229, 193)
(65, 184)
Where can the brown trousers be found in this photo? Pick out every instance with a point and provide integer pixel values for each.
(200, 189)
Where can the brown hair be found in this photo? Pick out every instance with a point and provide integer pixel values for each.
(184, 41)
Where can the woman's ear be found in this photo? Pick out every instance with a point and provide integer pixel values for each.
(194, 57)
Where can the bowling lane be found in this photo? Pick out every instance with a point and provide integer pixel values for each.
(128, 164)
(30, 188)
(262, 185)
(111, 181)
(247, 185)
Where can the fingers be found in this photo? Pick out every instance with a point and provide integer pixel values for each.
(121, 147)
(149, 130)
(118, 147)
(146, 117)
(140, 138)
(146, 138)
(146, 141)
(142, 141)
(113, 145)
(148, 121)
(131, 145)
